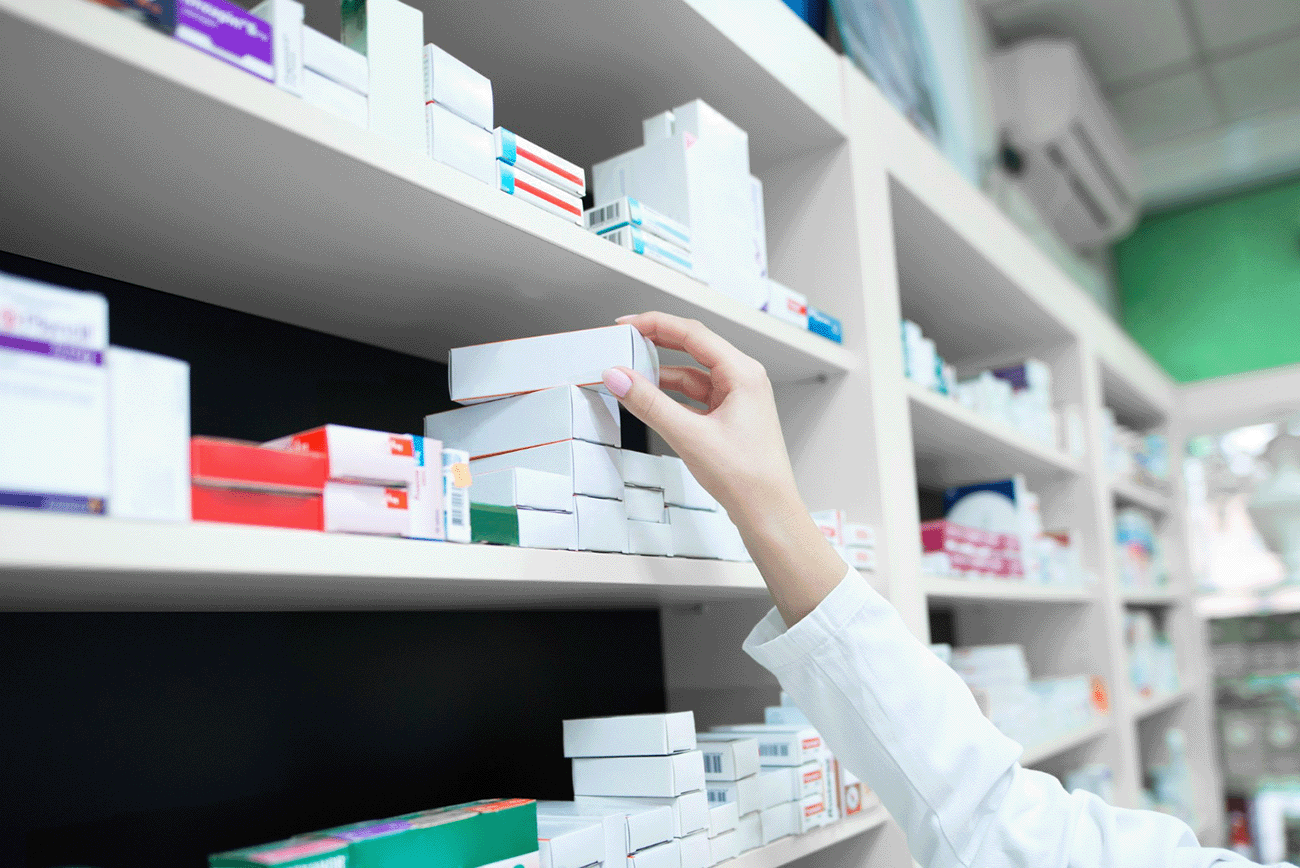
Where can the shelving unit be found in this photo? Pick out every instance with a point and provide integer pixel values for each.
(1146, 706)
(275, 208)
(1132, 493)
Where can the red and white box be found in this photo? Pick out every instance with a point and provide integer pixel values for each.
(812, 813)
(780, 745)
(515, 150)
(372, 509)
(264, 508)
(219, 463)
(786, 304)
(537, 192)
(357, 454)
(859, 535)
(861, 558)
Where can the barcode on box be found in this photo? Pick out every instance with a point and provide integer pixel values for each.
(717, 797)
(774, 749)
(458, 512)
(606, 212)
(713, 763)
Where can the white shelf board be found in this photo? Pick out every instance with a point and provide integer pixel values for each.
(61, 562)
(1046, 750)
(281, 210)
(1132, 493)
(1138, 401)
(1144, 707)
(943, 589)
(787, 850)
(1150, 597)
(956, 445)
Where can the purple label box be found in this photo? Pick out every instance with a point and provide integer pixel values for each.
(224, 30)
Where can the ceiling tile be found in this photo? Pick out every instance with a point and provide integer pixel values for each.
(1225, 23)
(1121, 39)
(1261, 80)
(1165, 109)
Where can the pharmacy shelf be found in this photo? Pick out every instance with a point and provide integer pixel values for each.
(956, 445)
(1144, 707)
(1131, 493)
(787, 850)
(60, 562)
(1153, 597)
(1040, 753)
(282, 210)
(942, 589)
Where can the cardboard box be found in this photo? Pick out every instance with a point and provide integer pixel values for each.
(632, 238)
(456, 481)
(654, 825)
(539, 193)
(391, 36)
(822, 323)
(780, 821)
(521, 488)
(335, 61)
(264, 508)
(812, 813)
(660, 126)
(526, 528)
(780, 745)
(293, 853)
(227, 32)
(336, 99)
(795, 782)
(54, 444)
(629, 211)
(455, 142)
(630, 735)
(149, 436)
(357, 454)
(653, 538)
(602, 524)
(532, 419)
(535, 160)
(592, 468)
(724, 846)
(700, 534)
(700, 120)
(642, 470)
(750, 832)
(661, 776)
(831, 523)
(695, 851)
(786, 304)
(286, 20)
(859, 535)
(570, 842)
(235, 464)
(773, 788)
(723, 818)
(785, 715)
(681, 488)
(690, 810)
(650, 822)
(425, 504)
(746, 793)
(831, 788)
(497, 370)
(457, 87)
(371, 509)
(474, 834)
(852, 792)
(728, 757)
(644, 504)
(665, 855)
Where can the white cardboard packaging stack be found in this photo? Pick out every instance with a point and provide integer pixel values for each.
(744, 792)
(532, 419)
(653, 826)
(689, 812)
(570, 842)
(725, 846)
(149, 436)
(723, 818)
(630, 735)
(458, 115)
(728, 757)
(750, 832)
(455, 142)
(732, 770)
(391, 35)
(286, 20)
(643, 492)
(780, 745)
(534, 160)
(855, 543)
(593, 468)
(334, 77)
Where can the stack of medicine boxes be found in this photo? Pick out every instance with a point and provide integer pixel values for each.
(646, 759)
(629, 223)
(845, 792)
(334, 77)
(634, 835)
(791, 778)
(855, 543)
(730, 763)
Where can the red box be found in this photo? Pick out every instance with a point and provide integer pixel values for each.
(236, 464)
(265, 508)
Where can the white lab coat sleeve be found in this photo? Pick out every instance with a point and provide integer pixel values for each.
(902, 720)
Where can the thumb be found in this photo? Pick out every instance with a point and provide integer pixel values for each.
(646, 401)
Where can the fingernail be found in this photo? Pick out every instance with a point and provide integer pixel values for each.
(625, 317)
(617, 382)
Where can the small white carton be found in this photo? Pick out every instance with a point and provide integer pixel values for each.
(665, 855)
(592, 468)
(780, 821)
(725, 846)
(535, 160)
(750, 832)
(538, 193)
(723, 818)
(532, 419)
(701, 534)
(644, 504)
(695, 851)
(572, 842)
(662, 776)
(785, 715)
(642, 470)
(614, 823)
(683, 489)
(728, 757)
(496, 370)
(285, 18)
(370, 509)
(629, 211)
(335, 61)
(649, 822)
(690, 810)
(544, 529)
(602, 524)
(773, 788)
(746, 793)
(525, 489)
(424, 494)
(699, 119)
(660, 126)
(456, 481)
(812, 813)
(334, 98)
(780, 745)
(391, 35)
(457, 87)
(630, 735)
(149, 436)
(357, 454)
(859, 535)
(797, 782)
(632, 238)
(786, 304)
(455, 142)
(649, 538)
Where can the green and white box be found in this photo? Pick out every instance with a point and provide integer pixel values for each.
(592, 468)
(391, 36)
(728, 757)
(570, 842)
(630, 735)
(534, 419)
(662, 776)
(723, 818)
(690, 811)
(526, 528)
(293, 853)
(745, 792)
(501, 834)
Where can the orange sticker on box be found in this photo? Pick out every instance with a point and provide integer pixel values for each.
(395, 498)
(401, 446)
(460, 475)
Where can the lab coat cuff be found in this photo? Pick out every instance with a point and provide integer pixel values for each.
(775, 647)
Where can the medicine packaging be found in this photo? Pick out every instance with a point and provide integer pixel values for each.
(785, 715)
(660, 126)
(780, 745)
(602, 524)
(690, 811)
(702, 121)
(533, 419)
(264, 508)
(662, 776)
(642, 470)
(797, 782)
(780, 821)
(425, 506)
(831, 523)
(226, 31)
(372, 509)
(724, 846)
(852, 792)
(539, 193)
(750, 832)
(334, 98)
(812, 813)
(773, 787)
(457, 87)
(822, 323)
(474, 834)
(630, 735)
(723, 818)
(335, 61)
(632, 238)
(859, 535)
(527, 528)
(665, 855)
(391, 35)
(286, 20)
(497, 370)
(649, 821)
(644, 504)
(572, 842)
(695, 852)
(158, 14)
(149, 436)
(629, 211)
(652, 538)
(614, 823)
(455, 142)
(222, 463)
(786, 304)
(535, 160)
(860, 558)
(522, 488)
(357, 454)
(456, 482)
(292, 853)
(701, 534)
(746, 793)
(681, 488)
(728, 757)
(591, 468)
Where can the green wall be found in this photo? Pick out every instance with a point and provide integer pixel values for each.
(1214, 289)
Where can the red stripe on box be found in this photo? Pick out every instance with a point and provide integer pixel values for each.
(542, 194)
(547, 164)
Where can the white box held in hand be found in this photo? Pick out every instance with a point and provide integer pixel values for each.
(665, 855)
(524, 488)
(780, 745)
(690, 811)
(695, 850)
(532, 419)
(538, 193)
(653, 538)
(750, 831)
(728, 757)
(592, 468)
(391, 36)
(602, 524)
(630, 735)
(336, 99)
(457, 87)
(725, 846)
(454, 141)
(335, 61)
(535, 160)
(746, 793)
(496, 370)
(650, 821)
(285, 18)
(723, 818)
(573, 842)
(149, 436)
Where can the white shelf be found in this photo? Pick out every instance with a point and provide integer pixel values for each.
(943, 589)
(1040, 753)
(1156, 597)
(281, 210)
(787, 850)
(1132, 493)
(956, 445)
(59, 562)
(1144, 707)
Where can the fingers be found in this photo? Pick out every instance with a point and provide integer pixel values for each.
(691, 382)
(688, 335)
(648, 403)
